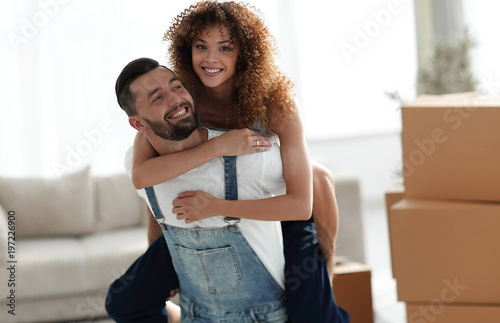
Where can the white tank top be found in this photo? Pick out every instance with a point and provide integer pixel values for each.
(260, 175)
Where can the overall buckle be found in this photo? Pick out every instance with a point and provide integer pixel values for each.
(162, 224)
(231, 223)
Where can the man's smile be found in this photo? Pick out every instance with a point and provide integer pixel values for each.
(178, 113)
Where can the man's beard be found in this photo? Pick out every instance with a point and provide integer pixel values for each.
(178, 131)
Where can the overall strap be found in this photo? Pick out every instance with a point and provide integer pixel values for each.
(230, 178)
(231, 182)
(150, 192)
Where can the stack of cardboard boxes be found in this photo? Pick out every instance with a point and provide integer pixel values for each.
(445, 225)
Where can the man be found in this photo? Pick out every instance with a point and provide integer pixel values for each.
(165, 112)
(154, 99)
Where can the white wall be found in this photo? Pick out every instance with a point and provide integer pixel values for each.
(374, 159)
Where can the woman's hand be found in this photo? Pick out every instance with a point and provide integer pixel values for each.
(195, 205)
(241, 141)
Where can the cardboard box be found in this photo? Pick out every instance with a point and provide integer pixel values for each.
(439, 313)
(352, 290)
(451, 147)
(446, 250)
(392, 198)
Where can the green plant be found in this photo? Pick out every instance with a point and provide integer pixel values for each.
(448, 69)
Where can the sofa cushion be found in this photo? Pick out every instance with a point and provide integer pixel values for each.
(51, 267)
(68, 266)
(86, 307)
(118, 204)
(60, 206)
(110, 253)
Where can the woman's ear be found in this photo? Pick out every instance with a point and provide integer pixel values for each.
(137, 124)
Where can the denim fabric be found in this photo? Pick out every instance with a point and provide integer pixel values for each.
(308, 289)
(139, 295)
(221, 278)
(230, 178)
(155, 208)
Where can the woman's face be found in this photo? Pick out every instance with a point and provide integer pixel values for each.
(214, 57)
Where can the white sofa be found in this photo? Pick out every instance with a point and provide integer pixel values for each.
(75, 235)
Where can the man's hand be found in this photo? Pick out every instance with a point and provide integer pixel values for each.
(195, 205)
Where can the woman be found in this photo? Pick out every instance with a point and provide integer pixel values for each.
(224, 54)
(257, 92)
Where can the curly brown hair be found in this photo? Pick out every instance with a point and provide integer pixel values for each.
(261, 89)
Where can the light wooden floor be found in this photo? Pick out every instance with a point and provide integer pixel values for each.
(376, 232)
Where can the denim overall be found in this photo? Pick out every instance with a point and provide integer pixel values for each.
(221, 278)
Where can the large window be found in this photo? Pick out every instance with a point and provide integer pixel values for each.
(348, 55)
(482, 20)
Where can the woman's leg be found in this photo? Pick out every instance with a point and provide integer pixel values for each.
(325, 213)
(308, 289)
(139, 295)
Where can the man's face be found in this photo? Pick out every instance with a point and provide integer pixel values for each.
(164, 106)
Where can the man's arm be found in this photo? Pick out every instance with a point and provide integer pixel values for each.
(154, 230)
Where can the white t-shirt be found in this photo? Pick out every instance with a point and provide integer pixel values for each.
(260, 175)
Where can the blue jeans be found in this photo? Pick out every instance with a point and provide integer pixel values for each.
(308, 290)
(139, 294)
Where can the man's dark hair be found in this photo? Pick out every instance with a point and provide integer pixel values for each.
(130, 73)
